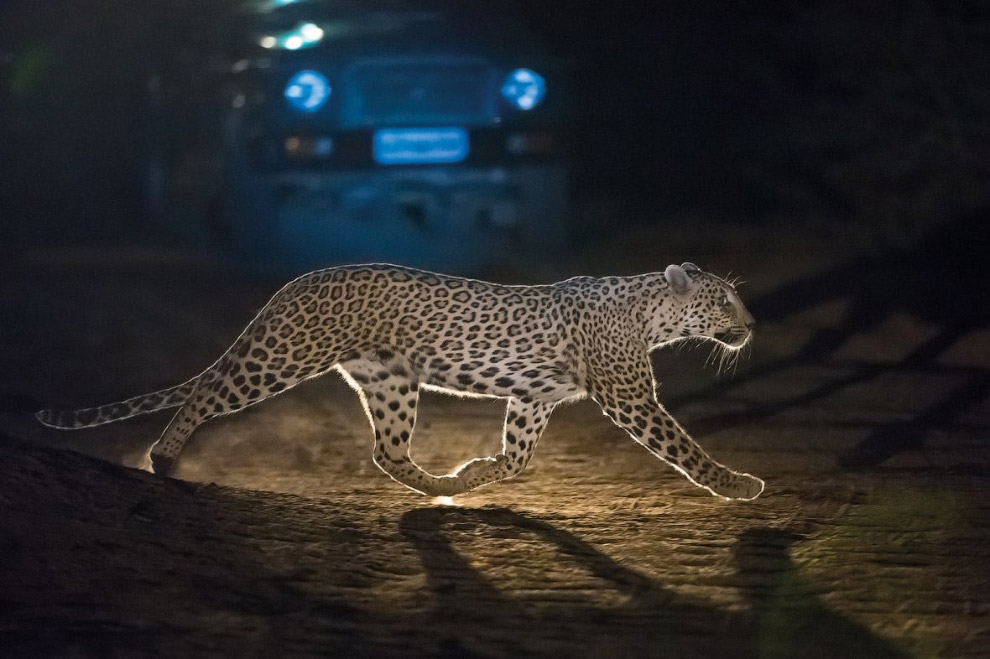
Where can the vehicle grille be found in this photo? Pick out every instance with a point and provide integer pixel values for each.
(396, 93)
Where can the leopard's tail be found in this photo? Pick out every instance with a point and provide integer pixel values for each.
(125, 409)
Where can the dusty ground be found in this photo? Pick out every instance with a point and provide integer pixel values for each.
(865, 410)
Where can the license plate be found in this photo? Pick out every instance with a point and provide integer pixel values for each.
(418, 146)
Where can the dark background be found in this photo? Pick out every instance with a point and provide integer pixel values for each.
(874, 114)
(834, 154)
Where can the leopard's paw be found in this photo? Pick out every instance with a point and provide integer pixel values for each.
(444, 486)
(482, 470)
(743, 487)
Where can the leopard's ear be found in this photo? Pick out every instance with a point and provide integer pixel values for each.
(677, 279)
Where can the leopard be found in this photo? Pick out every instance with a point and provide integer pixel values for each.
(394, 331)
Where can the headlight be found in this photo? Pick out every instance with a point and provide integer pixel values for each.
(524, 88)
(307, 91)
(305, 35)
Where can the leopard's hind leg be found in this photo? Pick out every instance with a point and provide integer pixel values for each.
(215, 394)
(247, 374)
(390, 395)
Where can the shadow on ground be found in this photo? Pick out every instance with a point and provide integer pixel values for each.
(941, 280)
(786, 619)
(99, 560)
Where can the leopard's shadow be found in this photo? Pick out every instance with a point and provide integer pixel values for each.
(627, 613)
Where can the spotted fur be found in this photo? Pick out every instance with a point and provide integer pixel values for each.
(392, 331)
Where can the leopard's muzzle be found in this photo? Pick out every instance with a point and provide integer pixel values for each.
(735, 337)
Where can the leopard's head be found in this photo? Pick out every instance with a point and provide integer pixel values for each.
(709, 307)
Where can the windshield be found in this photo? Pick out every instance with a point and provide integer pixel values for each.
(311, 23)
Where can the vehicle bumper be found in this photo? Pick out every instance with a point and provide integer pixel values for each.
(453, 218)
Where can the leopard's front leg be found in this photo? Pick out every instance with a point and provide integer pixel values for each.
(631, 405)
(524, 424)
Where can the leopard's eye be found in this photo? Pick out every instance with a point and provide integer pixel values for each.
(724, 301)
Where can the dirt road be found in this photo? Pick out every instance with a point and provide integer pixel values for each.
(866, 415)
